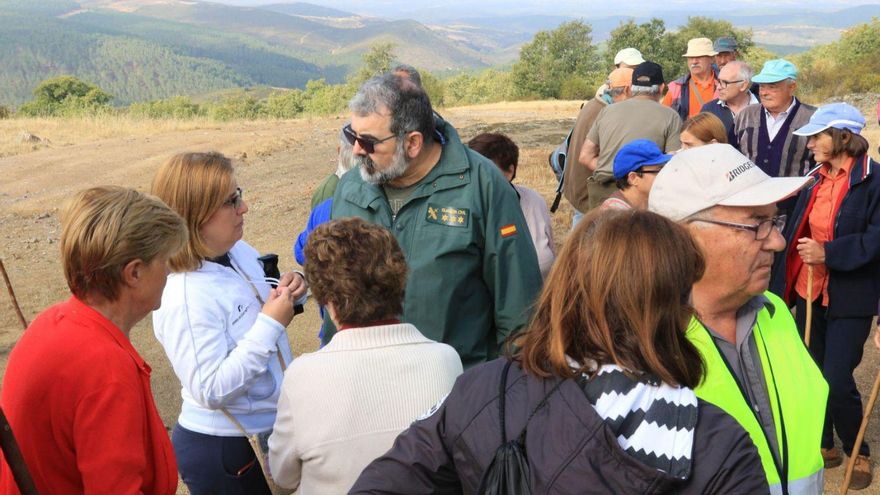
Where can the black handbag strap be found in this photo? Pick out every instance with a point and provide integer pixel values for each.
(502, 399)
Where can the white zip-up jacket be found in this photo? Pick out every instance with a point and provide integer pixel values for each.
(223, 350)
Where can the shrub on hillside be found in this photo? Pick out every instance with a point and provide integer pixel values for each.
(321, 98)
(178, 107)
(285, 105)
(237, 108)
(5, 112)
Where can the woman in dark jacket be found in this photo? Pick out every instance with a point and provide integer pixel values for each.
(600, 386)
(835, 230)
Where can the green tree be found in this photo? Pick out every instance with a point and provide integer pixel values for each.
(849, 65)
(377, 61)
(649, 38)
(65, 95)
(552, 57)
(665, 47)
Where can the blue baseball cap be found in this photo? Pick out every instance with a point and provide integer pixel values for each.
(637, 154)
(776, 70)
(837, 115)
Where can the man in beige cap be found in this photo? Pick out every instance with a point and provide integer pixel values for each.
(756, 367)
(574, 185)
(689, 93)
(628, 58)
(639, 117)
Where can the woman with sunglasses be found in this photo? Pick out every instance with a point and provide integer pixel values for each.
(223, 328)
(835, 234)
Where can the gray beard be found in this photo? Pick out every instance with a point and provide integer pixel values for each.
(370, 173)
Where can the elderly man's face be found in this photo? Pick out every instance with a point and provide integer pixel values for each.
(388, 160)
(723, 58)
(700, 66)
(730, 84)
(776, 97)
(736, 263)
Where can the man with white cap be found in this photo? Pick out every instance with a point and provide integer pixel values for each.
(757, 369)
(765, 132)
(689, 93)
(628, 58)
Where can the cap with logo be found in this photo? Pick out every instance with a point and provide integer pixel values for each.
(715, 175)
(700, 47)
(637, 154)
(776, 70)
(620, 77)
(725, 44)
(647, 74)
(837, 115)
(628, 56)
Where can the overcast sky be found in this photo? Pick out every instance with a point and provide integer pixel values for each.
(581, 8)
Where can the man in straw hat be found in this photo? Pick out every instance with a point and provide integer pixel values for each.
(757, 368)
(689, 93)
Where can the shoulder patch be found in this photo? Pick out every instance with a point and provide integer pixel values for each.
(508, 230)
(448, 215)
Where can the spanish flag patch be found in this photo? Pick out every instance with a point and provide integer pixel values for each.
(508, 230)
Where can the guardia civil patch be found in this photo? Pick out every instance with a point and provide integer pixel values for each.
(448, 215)
(508, 230)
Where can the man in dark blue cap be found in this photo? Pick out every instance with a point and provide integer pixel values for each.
(635, 166)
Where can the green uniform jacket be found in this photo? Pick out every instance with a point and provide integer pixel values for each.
(473, 271)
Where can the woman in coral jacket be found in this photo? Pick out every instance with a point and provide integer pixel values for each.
(76, 392)
(835, 229)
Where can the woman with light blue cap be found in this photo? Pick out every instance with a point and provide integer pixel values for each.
(835, 230)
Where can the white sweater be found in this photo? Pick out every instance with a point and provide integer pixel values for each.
(223, 350)
(343, 406)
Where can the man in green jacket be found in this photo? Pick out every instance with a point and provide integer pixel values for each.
(473, 271)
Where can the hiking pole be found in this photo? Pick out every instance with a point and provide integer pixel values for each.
(14, 458)
(869, 408)
(809, 306)
(21, 319)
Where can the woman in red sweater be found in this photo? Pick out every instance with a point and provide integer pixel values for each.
(76, 392)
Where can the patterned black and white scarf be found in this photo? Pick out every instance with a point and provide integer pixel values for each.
(653, 422)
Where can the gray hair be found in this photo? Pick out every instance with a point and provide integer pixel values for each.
(617, 91)
(652, 90)
(345, 157)
(744, 70)
(408, 104)
(411, 72)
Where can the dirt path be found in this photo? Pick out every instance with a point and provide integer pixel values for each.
(278, 166)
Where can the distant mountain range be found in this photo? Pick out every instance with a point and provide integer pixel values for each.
(148, 49)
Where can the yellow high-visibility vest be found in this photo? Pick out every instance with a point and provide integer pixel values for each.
(797, 391)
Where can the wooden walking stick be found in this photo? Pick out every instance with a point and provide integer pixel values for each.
(861, 436)
(809, 306)
(21, 319)
(13, 457)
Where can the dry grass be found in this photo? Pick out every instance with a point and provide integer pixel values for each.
(279, 164)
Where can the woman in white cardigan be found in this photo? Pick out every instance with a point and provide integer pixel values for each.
(343, 406)
(223, 328)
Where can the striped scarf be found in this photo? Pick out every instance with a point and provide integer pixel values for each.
(653, 422)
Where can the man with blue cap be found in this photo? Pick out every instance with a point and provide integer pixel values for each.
(635, 166)
(765, 132)
(832, 264)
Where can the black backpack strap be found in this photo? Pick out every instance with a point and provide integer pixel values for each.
(502, 394)
(522, 435)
